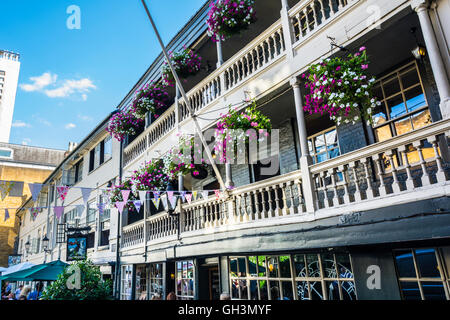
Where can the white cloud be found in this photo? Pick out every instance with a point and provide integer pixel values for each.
(20, 124)
(71, 86)
(85, 118)
(26, 141)
(46, 83)
(70, 126)
(40, 82)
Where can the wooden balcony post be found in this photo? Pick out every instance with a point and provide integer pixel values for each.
(288, 29)
(305, 159)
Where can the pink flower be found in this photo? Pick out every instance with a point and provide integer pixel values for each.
(362, 49)
(365, 66)
(254, 124)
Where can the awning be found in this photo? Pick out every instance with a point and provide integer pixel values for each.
(18, 267)
(43, 272)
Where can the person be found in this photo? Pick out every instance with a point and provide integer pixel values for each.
(156, 296)
(18, 291)
(171, 296)
(11, 296)
(36, 293)
(143, 295)
(225, 296)
(24, 294)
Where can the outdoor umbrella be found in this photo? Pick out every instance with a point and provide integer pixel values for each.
(18, 275)
(18, 267)
(42, 272)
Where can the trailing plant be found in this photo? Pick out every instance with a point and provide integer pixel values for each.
(150, 98)
(229, 17)
(123, 123)
(151, 176)
(342, 88)
(115, 194)
(185, 62)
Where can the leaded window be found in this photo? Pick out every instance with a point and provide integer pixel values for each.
(156, 280)
(185, 280)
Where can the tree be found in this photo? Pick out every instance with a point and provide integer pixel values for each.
(91, 285)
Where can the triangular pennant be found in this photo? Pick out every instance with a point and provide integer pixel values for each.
(5, 188)
(137, 205)
(142, 196)
(183, 196)
(59, 210)
(35, 189)
(189, 197)
(62, 191)
(6, 215)
(205, 194)
(172, 199)
(125, 195)
(120, 206)
(218, 194)
(165, 204)
(194, 195)
(80, 209)
(86, 193)
(156, 202)
(156, 194)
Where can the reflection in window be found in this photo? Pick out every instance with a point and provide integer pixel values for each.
(403, 103)
(185, 280)
(324, 146)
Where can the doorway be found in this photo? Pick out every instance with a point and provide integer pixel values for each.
(209, 279)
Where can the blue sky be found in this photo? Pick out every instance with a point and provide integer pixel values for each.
(71, 79)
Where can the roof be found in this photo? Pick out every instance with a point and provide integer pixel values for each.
(33, 155)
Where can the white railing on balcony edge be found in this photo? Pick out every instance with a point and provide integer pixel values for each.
(398, 165)
(133, 234)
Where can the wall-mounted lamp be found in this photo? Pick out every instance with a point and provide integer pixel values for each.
(27, 246)
(419, 52)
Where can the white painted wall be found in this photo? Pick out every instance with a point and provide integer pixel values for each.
(11, 65)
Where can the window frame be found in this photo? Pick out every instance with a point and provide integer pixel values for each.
(311, 139)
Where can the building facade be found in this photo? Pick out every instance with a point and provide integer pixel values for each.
(354, 211)
(21, 165)
(9, 77)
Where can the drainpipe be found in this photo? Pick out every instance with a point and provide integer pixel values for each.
(117, 276)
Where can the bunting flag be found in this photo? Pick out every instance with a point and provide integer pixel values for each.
(6, 215)
(35, 189)
(194, 195)
(101, 208)
(205, 194)
(156, 202)
(156, 194)
(120, 206)
(34, 212)
(183, 196)
(189, 197)
(80, 209)
(137, 205)
(59, 210)
(62, 191)
(125, 195)
(172, 199)
(165, 204)
(86, 193)
(5, 188)
(142, 196)
(218, 194)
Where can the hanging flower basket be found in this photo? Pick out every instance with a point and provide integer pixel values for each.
(122, 124)
(150, 177)
(229, 17)
(115, 193)
(149, 98)
(251, 123)
(186, 64)
(185, 159)
(342, 88)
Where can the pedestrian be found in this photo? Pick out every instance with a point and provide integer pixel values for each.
(225, 296)
(36, 293)
(24, 294)
(18, 291)
(156, 296)
(171, 296)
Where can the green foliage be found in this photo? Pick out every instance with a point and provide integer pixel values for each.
(92, 286)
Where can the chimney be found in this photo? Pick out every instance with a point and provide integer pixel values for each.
(72, 146)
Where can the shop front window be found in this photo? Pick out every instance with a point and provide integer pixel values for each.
(292, 277)
(127, 283)
(141, 283)
(156, 281)
(404, 106)
(185, 280)
(423, 274)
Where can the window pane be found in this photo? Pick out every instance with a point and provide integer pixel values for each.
(348, 290)
(379, 115)
(328, 265)
(274, 290)
(331, 139)
(254, 290)
(344, 266)
(322, 157)
(405, 264)
(285, 267)
(235, 289)
(421, 119)
(320, 143)
(262, 266)
(287, 290)
(332, 288)
(415, 98)
(427, 264)
(391, 86)
(410, 78)
(313, 265)
(108, 149)
(316, 290)
(303, 290)
(252, 263)
(433, 290)
(410, 290)
(233, 267)
(299, 262)
(383, 133)
(273, 267)
(396, 107)
(403, 126)
(263, 290)
(333, 153)
(242, 267)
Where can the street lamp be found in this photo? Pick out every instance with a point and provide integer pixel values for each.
(27, 246)
(45, 242)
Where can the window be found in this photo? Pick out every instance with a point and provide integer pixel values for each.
(100, 154)
(421, 274)
(78, 171)
(6, 154)
(403, 106)
(292, 277)
(156, 280)
(141, 283)
(185, 280)
(71, 216)
(91, 212)
(324, 145)
(127, 278)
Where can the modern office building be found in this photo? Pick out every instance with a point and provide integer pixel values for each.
(354, 211)
(9, 77)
